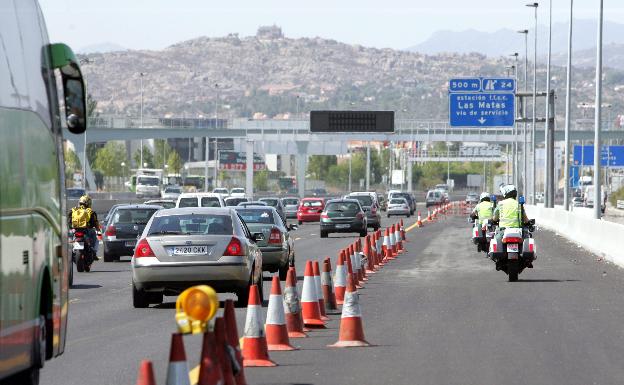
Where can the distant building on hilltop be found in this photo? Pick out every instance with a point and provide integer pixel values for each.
(270, 32)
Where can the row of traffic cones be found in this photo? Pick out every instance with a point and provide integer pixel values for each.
(222, 359)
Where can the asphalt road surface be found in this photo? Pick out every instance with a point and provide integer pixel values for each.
(440, 314)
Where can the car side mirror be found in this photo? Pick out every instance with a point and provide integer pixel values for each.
(521, 200)
(257, 237)
(292, 227)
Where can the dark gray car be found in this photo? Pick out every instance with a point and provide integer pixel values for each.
(276, 203)
(343, 216)
(125, 224)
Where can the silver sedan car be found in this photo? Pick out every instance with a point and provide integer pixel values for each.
(398, 206)
(183, 247)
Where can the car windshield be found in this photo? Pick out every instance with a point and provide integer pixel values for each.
(264, 216)
(210, 202)
(270, 201)
(433, 194)
(312, 203)
(164, 204)
(176, 190)
(191, 224)
(238, 191)
(342, 207)
(147, 181)
(135, 216)
(234, 201)
(220, 191)
(397, 201)
(188, 202)
(364, 200)
(74, 193)
(290, 201)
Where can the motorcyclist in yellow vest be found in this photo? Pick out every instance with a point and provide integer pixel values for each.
(83, 217)
(508, 212)
(484, 209)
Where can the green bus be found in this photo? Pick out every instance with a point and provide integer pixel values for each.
(34, 263)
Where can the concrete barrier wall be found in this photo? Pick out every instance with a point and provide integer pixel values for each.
(600, 237)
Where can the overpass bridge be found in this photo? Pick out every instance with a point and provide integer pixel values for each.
(294, 137)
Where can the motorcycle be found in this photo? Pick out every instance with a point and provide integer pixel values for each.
(83, 253)
(515, 250)
(482, 234)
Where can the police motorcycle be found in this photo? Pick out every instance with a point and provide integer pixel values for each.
(482, 233)
(83, 252)
(515, 250)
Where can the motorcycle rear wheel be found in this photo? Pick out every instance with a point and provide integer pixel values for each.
(512, 270)
(80, 265)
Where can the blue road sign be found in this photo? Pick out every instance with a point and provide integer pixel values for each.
(574, 176)
(482, 102)
(585, 156)
(481, 109)
(465, 85)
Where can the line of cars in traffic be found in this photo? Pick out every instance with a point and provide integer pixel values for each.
(226, 241)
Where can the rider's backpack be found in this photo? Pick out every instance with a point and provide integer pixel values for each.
(80, 217)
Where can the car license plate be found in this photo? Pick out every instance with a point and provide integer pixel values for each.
(78, 246)
(190, 250)
(512, 247)
(343, 226)
(130, 243)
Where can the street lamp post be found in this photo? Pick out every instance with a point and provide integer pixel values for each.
(549, 195)
(141, 74)
(532, 197)
(215, 176)
(525, 32)
(514, 149)
(597, 143)
(566, 150)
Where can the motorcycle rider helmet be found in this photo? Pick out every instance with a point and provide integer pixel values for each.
(484, 197)
(509, 191)
(85, 200)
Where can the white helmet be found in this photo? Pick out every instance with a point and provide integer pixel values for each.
(483, 196)
(507, 189)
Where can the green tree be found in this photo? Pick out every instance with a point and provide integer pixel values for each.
(148, 157)
(174, 162)
(318, 165)
(261, 180)
(108, 159)
(161, 152)
(91, 106)
(72, 162)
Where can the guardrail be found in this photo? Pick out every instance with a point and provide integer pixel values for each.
(600, 237)
(620, 204)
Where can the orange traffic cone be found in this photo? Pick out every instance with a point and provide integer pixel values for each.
(403, 231)
(255, 350)
(393, 242)
(292, 307)
(223, 353)
(419, 222)
(350, 267)
(363, 262)
(368, 252)
(309, 301)
(319, 290)
(209, 370)
(146, 374)
(429, 215)
(379, 246)
(351, 328)
(385, 247)
(397, 239)
(276, 331)
(232, 339)
(340, 284)
(178, 369)
(328, 286)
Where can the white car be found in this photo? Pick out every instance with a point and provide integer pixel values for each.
(147, 186)
(171, 192)
(222, 191)
(200, 200)
(237, 192)
(398, 206)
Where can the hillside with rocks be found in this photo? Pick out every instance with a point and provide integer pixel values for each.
(270, 75)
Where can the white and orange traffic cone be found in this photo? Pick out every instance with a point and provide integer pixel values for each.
(255, 350)
(309, 300)
(146, 374)
(351, 328)
(327, 285)
(429, 215)
(232, 339)
(370, 258)
(178, 369)
(379, 246)
(385, 246)
(403, 238)
(393, 241)
(319, 290)
(223, 354)
(350, 259)
(209, 369)
(397, 239)
(340, 281)
(275, 326)
(419, 222)
(292, 307)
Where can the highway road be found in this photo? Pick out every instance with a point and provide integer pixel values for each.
(439, 314)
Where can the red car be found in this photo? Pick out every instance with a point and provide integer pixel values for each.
(310, 210)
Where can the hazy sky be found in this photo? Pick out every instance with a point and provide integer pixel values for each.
(154, 24)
